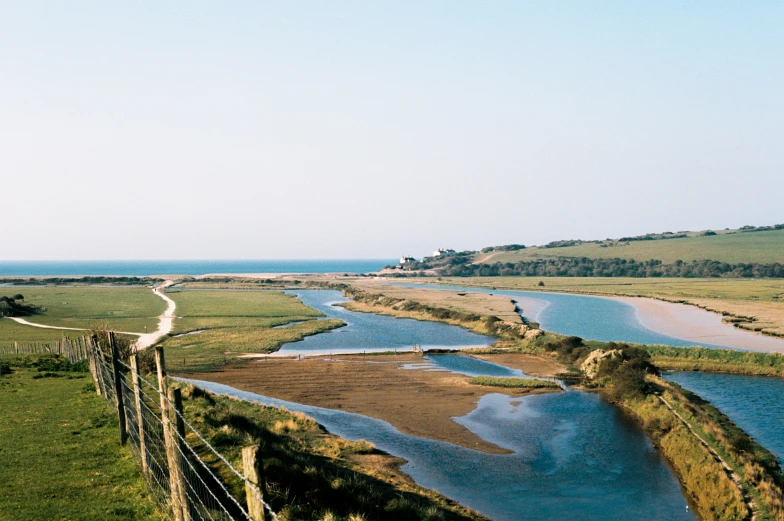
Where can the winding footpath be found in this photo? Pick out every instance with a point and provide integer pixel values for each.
(165, 322)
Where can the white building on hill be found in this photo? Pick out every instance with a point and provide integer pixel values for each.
(405, 259)
(443, 252)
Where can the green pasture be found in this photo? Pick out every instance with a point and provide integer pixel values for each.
(60, 453)
(205, 351)
(120, 308)
(750, 247)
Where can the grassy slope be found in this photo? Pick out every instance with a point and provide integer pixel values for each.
(761, 247)
(122, 308)
(60, 455)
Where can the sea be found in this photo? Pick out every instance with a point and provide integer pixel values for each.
(144, 268)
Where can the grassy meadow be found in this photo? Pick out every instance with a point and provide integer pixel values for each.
(121, 308)
(236, 321)
(759, 247)
(60, 453)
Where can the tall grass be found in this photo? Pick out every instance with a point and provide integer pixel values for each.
(514, 383)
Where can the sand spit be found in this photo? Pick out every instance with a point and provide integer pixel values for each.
(695, 324)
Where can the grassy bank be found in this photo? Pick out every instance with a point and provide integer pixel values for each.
(716, 360)
(709, 484)
(208, 350)
(513, 383)
(60, 453)
(311, 474)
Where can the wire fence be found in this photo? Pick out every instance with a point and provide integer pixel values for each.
(182, 469)
(74, 349)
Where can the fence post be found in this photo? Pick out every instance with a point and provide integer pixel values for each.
(175, 400)
(251, 467)
(118, 388)
(16, 348)
(93, 349)
(139, 412)
(163, 390)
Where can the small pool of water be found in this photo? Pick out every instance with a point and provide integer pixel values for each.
(472, 366)
(371, 332)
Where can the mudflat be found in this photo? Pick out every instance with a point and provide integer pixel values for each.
(416, 401)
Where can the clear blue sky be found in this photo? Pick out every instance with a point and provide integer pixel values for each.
(368, 129)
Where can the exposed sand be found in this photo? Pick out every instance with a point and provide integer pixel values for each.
(416, 401)
(698, 325)
(532, 365)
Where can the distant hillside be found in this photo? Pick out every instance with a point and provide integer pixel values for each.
(760, 247)
(753, 252)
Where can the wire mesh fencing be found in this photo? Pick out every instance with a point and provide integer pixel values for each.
(74, 349)
(182, 469)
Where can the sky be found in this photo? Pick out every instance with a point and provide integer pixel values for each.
(282, 130)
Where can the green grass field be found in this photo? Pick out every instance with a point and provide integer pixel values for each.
(11, 332)
(513, 383)
(121, 308)
(236, 322)
(60, 453)
(751, 247)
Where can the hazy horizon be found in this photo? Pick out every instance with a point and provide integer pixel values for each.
(277, 131)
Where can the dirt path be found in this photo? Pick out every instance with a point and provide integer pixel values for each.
(165, 321)
(730, 473)
(145, 340)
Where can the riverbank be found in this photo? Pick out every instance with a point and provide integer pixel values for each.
(726, 472)
(416, 401)
(753, 305)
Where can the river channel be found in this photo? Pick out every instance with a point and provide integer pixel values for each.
(575, 456)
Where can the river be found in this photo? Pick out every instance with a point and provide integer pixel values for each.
(754, 403)
(575, 456)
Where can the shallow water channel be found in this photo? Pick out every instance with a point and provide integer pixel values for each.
(575, 456)
(754, 403)
(370, 332)
(592, 318)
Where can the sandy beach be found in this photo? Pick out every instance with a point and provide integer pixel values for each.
(698, 325)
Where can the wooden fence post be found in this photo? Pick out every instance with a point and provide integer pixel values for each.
(92, 353)
(118, 388)
(16, 348)
(175, 400)
(163, 390)
(137, 384)
(251, 467)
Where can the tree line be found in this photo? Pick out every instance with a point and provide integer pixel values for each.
(585, 267)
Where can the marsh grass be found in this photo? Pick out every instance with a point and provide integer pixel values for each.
(702, 476)
(513, 383)
(717, 360)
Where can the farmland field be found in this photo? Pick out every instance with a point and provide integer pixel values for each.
(749, 247)
(121, 308)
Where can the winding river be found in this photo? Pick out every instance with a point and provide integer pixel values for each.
(575, 457)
